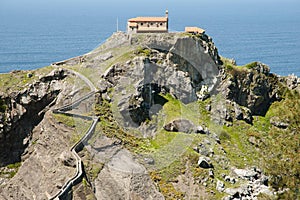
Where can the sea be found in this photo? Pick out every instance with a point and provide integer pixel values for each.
(34, 40)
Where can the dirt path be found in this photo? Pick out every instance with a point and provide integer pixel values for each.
(78, 146)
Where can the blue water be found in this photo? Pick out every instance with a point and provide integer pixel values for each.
(31, 39)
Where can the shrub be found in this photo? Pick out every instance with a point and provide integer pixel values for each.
(2, 106)
(224, 136)
(143, 51)
(251, 65)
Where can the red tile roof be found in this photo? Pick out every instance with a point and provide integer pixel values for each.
(148, 19)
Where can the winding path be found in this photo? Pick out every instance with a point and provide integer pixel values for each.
(78, 146)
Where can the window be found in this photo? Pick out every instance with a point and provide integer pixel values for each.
(161, 24)
(142, 24)
(151, 24)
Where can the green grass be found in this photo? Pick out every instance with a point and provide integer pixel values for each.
(280, 148)
(162, 139)
(14, 165)
(276, 153)
(10, 170)
(109, 127)
(143, 51)
(172, 150)
(274, 146)
(204, 117)
(9, 174)
(125, 55)
(78, 125)
(169, 149)
(251, 65)
(93, 169)
(175, 109)
(16, 80)
(237, 70)
(121, 55)
(67, 120)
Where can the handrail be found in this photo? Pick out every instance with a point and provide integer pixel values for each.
(79, 144)
(70, 106)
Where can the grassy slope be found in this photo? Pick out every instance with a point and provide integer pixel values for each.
(16, 80)
(276, 151)
(280, 147)
(235, 141)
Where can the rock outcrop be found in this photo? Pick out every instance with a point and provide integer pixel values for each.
(256, 183)
(24, 110)
(254, 88)
(122, 177)
(165, 63)
(246, 91)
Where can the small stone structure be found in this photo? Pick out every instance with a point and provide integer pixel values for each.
(148, 24)
(194, 30)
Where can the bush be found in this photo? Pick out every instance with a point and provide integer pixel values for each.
(2, 106)
(144, 51)
(251, 65)
(224, 136)
(14, 165)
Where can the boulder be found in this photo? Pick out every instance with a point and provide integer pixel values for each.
(204, 150)
(103, 85)
(276, 121)
(230, 179)
(180, 125)
(211, 173)
(204, 162)
(29, 75)
(215, 137)
(202, 130)
(149, 161)
(56, 74)
(292, 81)
(232, 191)
(265, 189)
(104, 57)
(220, 186)
(245, 173)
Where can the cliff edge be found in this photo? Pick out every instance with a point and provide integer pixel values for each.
(176, 121)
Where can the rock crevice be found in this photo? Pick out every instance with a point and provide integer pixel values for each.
(24, 110)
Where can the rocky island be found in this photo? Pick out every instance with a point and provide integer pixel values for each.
(149, 116)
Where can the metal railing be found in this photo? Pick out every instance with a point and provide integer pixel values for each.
(78, 146)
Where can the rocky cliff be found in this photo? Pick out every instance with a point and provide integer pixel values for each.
(176, 121)
(22, 111)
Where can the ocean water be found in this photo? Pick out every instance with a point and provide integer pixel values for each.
(33, 43)
(30, 41)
